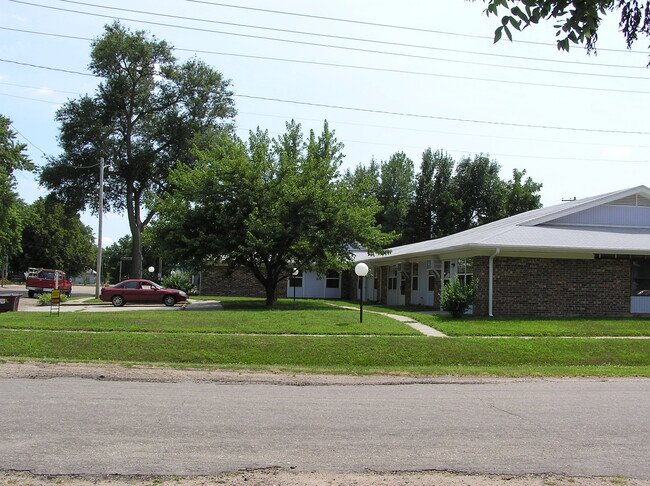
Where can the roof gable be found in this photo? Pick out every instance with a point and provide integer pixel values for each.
(617, 222)
(571, 211)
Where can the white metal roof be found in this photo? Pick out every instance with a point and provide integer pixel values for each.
(534, 232)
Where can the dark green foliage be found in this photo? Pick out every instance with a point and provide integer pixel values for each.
(142, 121)
(54, 237)
(269, 206)
(180, 281)
(576, 22)
(479, 192)
(12, 158)
(457, 297)
(444, 197)
(395, 194)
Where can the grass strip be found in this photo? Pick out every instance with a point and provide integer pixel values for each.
(325, 320)
(504, 326)
(349, 354)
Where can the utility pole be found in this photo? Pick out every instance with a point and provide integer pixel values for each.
(98, 274)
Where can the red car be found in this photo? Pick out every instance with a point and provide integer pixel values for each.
(141, 291)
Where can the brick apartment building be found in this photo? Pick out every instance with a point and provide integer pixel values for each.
(588, 257)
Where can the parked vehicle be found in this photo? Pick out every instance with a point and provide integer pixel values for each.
(41, 280)
(138, 290)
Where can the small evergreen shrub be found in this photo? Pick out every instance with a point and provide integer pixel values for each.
(46, 298)
(180, 281)
(457, 297)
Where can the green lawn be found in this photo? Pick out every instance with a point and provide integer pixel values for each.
(353, 354)
(248, 335)
(576, 327)
(319, 320)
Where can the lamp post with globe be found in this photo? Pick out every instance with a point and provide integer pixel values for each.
(361, 269)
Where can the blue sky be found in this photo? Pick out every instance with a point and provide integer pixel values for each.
(426, 74)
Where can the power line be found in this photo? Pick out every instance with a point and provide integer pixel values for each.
(442, 132)
(38, 66)
(313, 44)
(385, 144)
(28, 141)
(396, 71)
(456, 51)
(384, 112)
(369, 68)
(432, 117)
(390, 26)
(76, 93)
(346, 38)
(420, 73)
(368, 110)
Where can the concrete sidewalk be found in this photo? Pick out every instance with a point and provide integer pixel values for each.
(424, 329)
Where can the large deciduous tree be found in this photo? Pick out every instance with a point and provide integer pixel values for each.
(269, 205)
(12, 158)
(577, 21)
(141, 120)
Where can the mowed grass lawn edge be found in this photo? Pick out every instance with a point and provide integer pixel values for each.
(339, 354)
(327, 320)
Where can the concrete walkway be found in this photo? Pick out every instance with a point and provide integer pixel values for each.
(424, 329)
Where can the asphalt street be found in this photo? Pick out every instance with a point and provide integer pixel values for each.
(82, 426)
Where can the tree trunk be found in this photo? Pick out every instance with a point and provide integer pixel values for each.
(270, 288)
(133, 213)
(136, 253)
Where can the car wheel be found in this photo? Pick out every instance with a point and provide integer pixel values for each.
(30, 294)
(169, 300)
(118, 300)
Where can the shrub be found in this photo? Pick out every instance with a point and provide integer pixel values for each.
(457, 296)
(46, 298)
(179, 281)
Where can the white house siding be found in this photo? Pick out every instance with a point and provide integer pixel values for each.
(640, 304)
(609, 215)
(314, 286)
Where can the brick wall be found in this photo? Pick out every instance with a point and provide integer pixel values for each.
(554, 287)
(241, 283)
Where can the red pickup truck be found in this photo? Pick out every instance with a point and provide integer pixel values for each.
(40, 280)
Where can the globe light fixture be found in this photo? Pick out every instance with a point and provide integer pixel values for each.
(361, 269)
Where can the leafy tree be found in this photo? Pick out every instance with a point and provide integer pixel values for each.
(519, 197)
(268, 206)
(396, 191)
(53, 237)
(432, 213)
(577, 21)
(141, 120)
(12, 158)
(364, 179)
(479, 191)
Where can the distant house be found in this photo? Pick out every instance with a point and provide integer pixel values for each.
(587, 257)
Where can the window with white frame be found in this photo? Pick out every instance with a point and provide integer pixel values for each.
(414, 276)
(392, 277)
(446, 272)
(432, 280)
(465, 270)
(332, 279)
